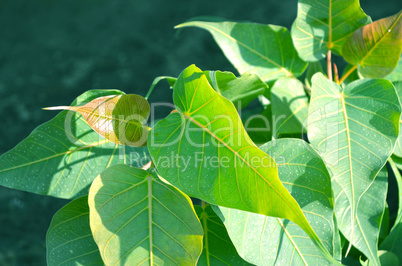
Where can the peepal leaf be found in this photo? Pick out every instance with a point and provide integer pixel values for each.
(289, 106)
(396, 74)
(203, 150)
(355, 130)
(376, 47)
(61, 157)
(69, 239)
(281, 242)
(120, 118)
(137, 219)
(398, 145)
(265, 50)
(323, 25)
(241, 90)
(218, 248)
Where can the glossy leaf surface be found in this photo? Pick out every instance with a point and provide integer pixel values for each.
(281, 242)
(137, 219)
(241, 91)
(289, 106)
(69, 239)
(376, 47)
(120, 118)
(398, 145)
(61, 157)
(323, 25)
(355, 130)
(218, 248)
(265, 50)
(218, 162)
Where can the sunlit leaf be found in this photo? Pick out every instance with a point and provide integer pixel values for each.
(69, 239)
(203, 150)
(218, 248)
(304, 174)
(324, 24)
(119, 118)
(355, 130)
(61, 157)
(241, 91)
(289, 106)
(137, 219)
(265, 50)
(376, 47)
(398, 145)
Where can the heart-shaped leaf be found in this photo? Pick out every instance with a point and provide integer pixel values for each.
(61, 157)
(376, 47)
(218, 248)
(289, 106)
(137, 219)
(304, 174)
(323, 25)
(265, 50)
(355, 130)
(241, 91)
(69, 239)
(204, 151)
(120, 118)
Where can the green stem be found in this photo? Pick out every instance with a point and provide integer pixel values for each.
(156, 81)
(350, 71)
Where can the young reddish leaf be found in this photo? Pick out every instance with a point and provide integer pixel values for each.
(119, 118)
(375, 48)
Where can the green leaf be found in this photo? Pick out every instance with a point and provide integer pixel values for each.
(289, 106)
(304, 174)
(265, 50)
(387, 258)
(393, 242)
(118, 118)
(218, 248)
(396, 74)
(259, 127)
(355, 130)
(398, 145)
(323, 25)
(61, 157)
(136, 218)
(69, 239)
(203, 150)
(241, 90)
(313, 67)
(350, 77)
(395, 163)
(376, 47)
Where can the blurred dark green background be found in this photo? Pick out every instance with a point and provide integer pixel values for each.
(53, 50)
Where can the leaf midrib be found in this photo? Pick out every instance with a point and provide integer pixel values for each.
(56, 155)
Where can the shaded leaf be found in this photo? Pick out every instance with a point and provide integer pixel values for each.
(350, 77)
(218, 162)
(61, 157)
(137, 219)
(355, 130)
(396, 74)
(218, 248)
(259, 127)
(241, 90)
(396, 163)
(120, 118)
(69, 238)
(376, 47)
(323, 24)
(313, 67)
(393, 242)
(289, 106)
(281, 242)
(265, 50)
